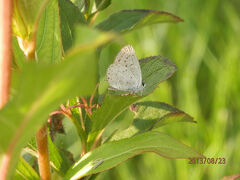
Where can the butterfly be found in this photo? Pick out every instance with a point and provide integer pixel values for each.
(125, 72)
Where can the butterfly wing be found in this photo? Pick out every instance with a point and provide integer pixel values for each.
(121, 78)
(127, 57)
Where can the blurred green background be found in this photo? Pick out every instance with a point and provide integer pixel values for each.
(206, 50)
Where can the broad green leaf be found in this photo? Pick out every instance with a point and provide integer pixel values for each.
(154, 70)
(111, 154)
(102, 4)
(126, 20)
(41, 89)
(26, 15)
(151, 115)
(49, 36)
(25, 171)
(70, 15)
(49, 43)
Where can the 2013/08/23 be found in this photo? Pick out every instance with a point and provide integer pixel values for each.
(207, 160)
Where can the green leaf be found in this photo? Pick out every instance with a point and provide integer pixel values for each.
(154, 70)
(88, 6)
(25, 171)
(110, 109)
(49, 45)
(111, 154)
(126, 20)
(18, 54)
(70, 16)
(41, 89)
(78, 3)
(122, 122)
(58, 159)
(151, 115)
(102, 4)
(70, 140)
(84, 36)
(26, 15)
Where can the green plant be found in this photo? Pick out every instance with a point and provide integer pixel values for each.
(58, 62)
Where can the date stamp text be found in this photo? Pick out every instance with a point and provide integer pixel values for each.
(207, 160)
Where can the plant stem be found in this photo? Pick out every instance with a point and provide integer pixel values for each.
(43, 157)
(5, 68)
(5, 50)
(80, 114)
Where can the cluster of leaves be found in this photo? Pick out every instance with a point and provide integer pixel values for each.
(66, 65)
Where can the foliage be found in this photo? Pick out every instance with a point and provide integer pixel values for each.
(206, 85)
(62, 80)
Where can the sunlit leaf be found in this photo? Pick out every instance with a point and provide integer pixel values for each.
(111, 154)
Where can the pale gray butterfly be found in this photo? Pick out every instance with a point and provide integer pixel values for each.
(125, 72)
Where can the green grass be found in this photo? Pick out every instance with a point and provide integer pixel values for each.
(205, 48)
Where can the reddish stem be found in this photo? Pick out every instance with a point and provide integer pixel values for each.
(43, 156)
(5, 50)
(80, 114)
(93, 94)
(5, 69)
(75, 106)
